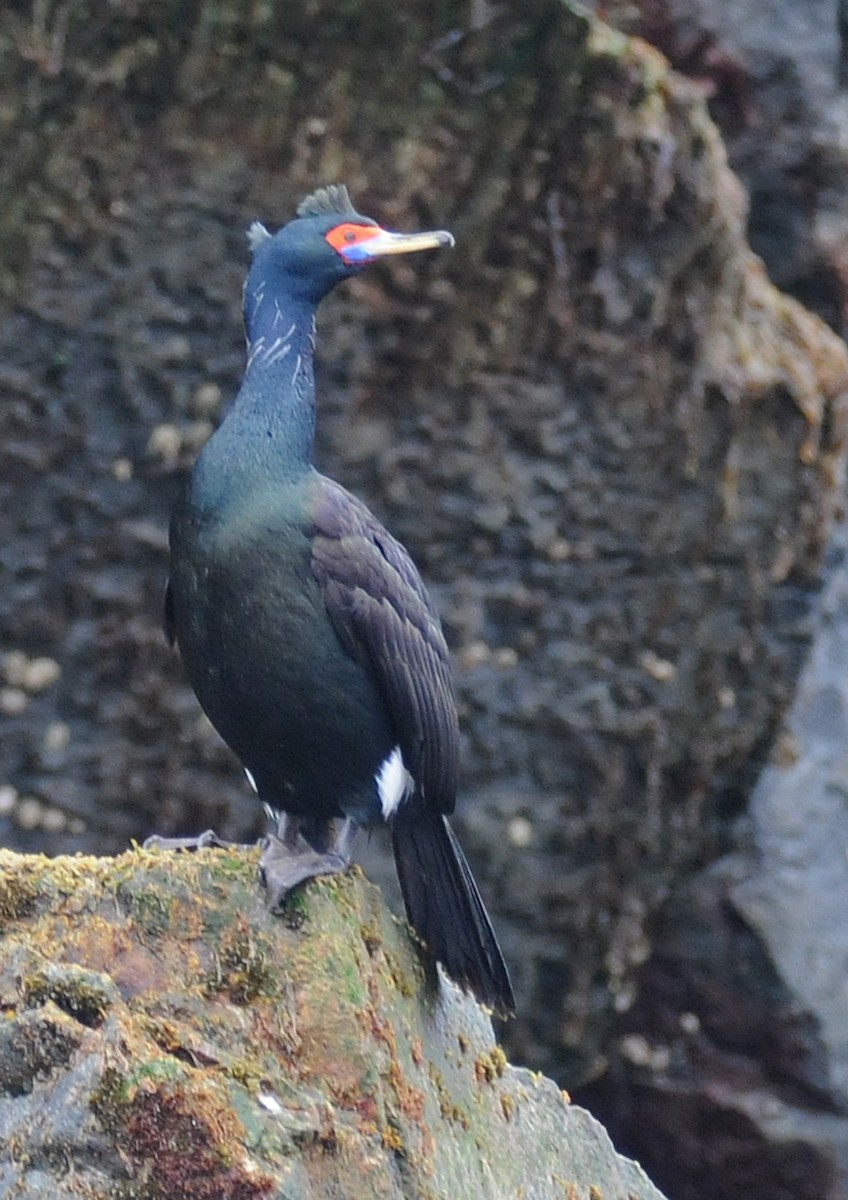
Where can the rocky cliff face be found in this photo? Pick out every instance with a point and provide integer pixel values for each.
(774, 76)
(732, 1067)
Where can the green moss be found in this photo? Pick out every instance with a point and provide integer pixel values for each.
(294, 910)
(154, 1070)
(244, 965)
(149, 909)
(231, 866)
(18, 895)
(108, 1098)
(83, 994)
(230, 1065)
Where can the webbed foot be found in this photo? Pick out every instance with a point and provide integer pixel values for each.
(288, 859)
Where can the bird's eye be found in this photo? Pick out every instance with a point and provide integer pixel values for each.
(346, 238)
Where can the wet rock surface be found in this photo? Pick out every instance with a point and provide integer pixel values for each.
(611, 445)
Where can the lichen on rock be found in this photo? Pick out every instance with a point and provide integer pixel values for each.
(166, 1036)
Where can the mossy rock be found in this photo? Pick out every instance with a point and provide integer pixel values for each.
(166, 1036)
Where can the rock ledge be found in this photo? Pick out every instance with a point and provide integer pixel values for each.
(167, 1037)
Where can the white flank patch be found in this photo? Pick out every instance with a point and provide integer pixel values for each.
(394, 783)
(251, 781)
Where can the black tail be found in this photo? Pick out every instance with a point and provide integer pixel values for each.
(444, 907)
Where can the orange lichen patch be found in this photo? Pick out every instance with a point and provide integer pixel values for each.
(113, 949)
(411, 1100)
(153, 911)
(367, 1106)
(274, 1027)
(188, 1042)
(417, 1052)
(449, 1109)
(508, 1105)
(332, 1052)
(186, 920)
(372, 939)
(391, 1139)
(403, 982)
(490, 1065)
(166, 1034)
(378, 1026)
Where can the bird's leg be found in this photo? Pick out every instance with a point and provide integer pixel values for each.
(344, 839)
(288, 858)
(208, 838)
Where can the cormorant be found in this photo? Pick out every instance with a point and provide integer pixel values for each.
(304, 626)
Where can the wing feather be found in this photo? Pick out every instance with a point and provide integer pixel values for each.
(385, 619)
(169, 619)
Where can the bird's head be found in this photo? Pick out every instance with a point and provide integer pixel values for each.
(326, 242)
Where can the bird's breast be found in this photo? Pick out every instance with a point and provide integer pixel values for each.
(265, 661)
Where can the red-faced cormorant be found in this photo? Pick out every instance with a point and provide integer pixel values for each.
(304, 626)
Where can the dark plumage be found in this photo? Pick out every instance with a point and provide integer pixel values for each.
(305, 628)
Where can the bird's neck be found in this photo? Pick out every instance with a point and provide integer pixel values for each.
(268, 434)
(278, 392)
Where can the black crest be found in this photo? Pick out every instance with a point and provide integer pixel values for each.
(327, 200)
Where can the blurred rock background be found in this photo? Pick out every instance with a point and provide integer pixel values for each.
(614, 448)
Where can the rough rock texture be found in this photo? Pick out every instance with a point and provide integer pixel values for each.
(736, 1056)
(612, 446)
(774, 73)
(165, 1037)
